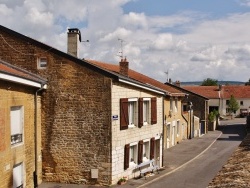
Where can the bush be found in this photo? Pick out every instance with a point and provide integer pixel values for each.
(212, 115)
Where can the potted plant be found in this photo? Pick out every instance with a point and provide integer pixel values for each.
(122, 180)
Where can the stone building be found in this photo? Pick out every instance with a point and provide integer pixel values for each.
(194, 104)
(20, 127)
(89, 114)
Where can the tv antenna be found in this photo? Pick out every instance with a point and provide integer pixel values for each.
(121, 52)
(167, 75)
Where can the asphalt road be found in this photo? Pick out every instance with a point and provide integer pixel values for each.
(202, 170)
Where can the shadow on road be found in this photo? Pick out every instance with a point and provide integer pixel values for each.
(235, 132)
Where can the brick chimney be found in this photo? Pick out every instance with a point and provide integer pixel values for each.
(178, 83)
(74, 35)
(124, 67)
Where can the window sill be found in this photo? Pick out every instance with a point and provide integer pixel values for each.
(145, 159)
(131, 126)
(132, 165)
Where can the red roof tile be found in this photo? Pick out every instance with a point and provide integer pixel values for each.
(212, 92)
(139, 77)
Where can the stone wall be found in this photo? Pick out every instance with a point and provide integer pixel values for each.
(76, 112)
(19, 95)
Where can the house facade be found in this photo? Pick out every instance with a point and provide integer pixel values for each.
(20, 127)
(97, 125)
(219, 97)
(175, 125)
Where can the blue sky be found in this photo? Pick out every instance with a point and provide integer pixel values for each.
(214, 8)
(192, 40)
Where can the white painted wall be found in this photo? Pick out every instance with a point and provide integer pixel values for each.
(122, 137)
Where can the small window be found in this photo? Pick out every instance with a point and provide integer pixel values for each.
(16, 124)
(241, 103)
(132, 155)
(171, 104)
(132, 112)
(227, 102)
(178, 128)
(42, 63)
(175, 105)
(145, 111)
(18, 175)
(146, 151)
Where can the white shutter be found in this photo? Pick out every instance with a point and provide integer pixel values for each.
(18, 175)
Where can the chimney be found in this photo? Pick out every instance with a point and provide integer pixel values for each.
(74, 35)
(124, 67)
(178, 83)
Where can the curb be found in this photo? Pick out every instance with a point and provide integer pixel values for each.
(166, 174)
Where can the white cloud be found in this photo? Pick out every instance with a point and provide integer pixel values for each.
(188, 44)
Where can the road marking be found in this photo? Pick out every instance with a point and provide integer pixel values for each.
(143, 185)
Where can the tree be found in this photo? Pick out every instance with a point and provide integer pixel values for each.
(209, 82)
(233, 105)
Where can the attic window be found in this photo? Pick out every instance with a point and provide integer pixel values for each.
(42, 63)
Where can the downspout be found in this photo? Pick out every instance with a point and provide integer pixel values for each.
(162, 134)
(35, 136)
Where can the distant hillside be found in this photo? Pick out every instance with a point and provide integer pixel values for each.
(219, 82)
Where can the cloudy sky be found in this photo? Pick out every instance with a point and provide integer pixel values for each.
(191, 40)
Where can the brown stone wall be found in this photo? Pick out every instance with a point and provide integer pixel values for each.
(199, 107)
(76, 114)
(18, 95)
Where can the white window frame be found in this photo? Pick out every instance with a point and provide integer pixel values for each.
(146, 150)
(133, 150)
(42, 63)
(18, 175)
(146, 111)
(132, 112)
(16, 125)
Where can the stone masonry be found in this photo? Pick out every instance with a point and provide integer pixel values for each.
(76, 111)
(18, 95)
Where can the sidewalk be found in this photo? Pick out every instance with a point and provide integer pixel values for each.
(174, 158)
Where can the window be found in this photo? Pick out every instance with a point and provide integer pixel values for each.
(136, 112)
(178, 128)
(132, 113)
(18, 176)
(16, 124)
(42, 63)
(241, 103)
(227, 102)
(171, 104)
(146, 111)
(176, 105)
(146, 151)
(130, 155)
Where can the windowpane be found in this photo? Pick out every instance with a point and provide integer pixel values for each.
(132, 153)
(42, 63)
(16, 124)
(131, 112)
(146, 150)
(18, 175)
(145, 111)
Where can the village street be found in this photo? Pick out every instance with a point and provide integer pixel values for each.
(200, 171)
(192, 163)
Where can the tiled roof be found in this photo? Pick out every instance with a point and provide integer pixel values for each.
(139, 77)
(212, 92)
(9, 69)
(237, 91)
